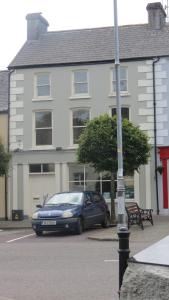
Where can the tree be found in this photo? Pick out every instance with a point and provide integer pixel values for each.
(98, 148)
(4, 160)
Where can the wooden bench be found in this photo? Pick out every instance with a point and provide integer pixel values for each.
(137, 215)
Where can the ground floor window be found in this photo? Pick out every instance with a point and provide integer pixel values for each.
(41, 168)
(83, 177)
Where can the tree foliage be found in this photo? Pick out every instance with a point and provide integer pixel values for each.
(98, 148)
(4, 160)
(98, 145)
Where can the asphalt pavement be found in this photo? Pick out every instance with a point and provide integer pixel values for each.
(150, 234)
(96, 250)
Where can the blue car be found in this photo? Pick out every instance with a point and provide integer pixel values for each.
(71, 211)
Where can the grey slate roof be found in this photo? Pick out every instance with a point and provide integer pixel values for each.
(3, 91)
(93, 45)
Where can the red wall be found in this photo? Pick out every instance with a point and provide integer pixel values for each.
(164, 156)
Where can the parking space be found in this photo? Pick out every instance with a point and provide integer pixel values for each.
(10, 236)
(50, 267)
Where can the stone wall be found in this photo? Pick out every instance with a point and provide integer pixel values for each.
(145, 282)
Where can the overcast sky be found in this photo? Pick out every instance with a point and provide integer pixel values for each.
(61, 15)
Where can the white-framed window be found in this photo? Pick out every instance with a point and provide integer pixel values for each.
(41, 168)
(124, 112)
(80, 116)
(80, 82)
(78, 178)
(42, 85)
(123, 80)
(43, 128)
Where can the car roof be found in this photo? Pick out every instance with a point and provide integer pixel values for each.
(84, 192)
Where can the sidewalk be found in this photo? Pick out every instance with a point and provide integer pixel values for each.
(15, 224)
(150, 233)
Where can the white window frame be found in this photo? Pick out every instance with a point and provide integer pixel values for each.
(41, 167)
(46, 97)
(80, 95)
(71, 127)
(41, 147)
(122, 93)
(101, 180)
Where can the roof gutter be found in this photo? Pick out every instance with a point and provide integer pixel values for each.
(155, 60)
(98, 62)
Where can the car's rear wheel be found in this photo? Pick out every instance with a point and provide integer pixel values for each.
(79, 227)
(39, 233)
(106, 222)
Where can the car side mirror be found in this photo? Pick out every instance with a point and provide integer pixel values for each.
(39, 206)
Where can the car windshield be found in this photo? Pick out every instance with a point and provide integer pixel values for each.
(65, 198)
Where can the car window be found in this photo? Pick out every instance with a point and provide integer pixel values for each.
(88, 197)
(96, 197)
(62, 198)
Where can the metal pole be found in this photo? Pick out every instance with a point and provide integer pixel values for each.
(120, 178)
(122, 231)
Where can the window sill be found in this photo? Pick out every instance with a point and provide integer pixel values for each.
(121, 94)
(42, 99)
(43, 148)
(72, 147)
(42, 173)
(76, 97)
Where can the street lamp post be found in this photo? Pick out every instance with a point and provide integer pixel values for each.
(122, 229)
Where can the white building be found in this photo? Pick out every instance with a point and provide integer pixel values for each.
(61, 79)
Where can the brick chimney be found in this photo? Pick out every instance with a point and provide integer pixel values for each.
(36, 25)
(156, 15)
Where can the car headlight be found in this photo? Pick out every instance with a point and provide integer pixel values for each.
(67, 214)
(35, 216)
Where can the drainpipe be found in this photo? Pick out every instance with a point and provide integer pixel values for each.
(155, 133)
(6, 176)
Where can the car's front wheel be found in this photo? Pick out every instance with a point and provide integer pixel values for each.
(106, 222)
(79, 226)
(39, 233)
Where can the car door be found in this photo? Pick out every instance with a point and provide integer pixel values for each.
(99, 209)
(88, 210)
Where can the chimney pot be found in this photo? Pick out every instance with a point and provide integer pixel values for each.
(36, 25)
(156, 15)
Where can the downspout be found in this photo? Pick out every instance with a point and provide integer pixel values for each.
(155, 133)
(6, 176)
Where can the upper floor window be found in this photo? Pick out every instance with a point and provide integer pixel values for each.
(43, 128)
(79, 119)
(124, 112)
(42, 85)
(80, 82)
(123, 80)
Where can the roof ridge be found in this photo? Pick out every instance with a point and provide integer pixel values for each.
(95, 28)
(79, 29)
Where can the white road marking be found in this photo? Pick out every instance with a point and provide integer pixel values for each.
(111, 260)
(21, 237)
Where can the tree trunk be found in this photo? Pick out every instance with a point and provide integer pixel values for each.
(113, 196)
